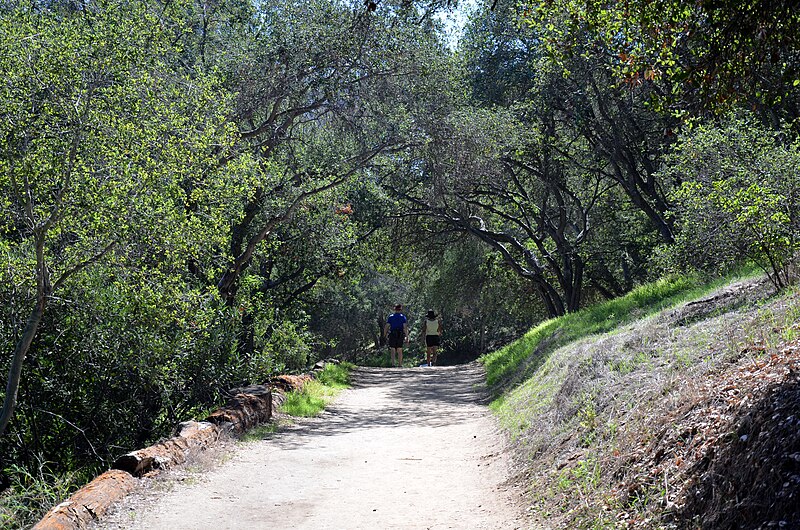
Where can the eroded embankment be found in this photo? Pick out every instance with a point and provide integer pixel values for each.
(686, 419)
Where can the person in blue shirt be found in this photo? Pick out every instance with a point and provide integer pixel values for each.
(396, 331)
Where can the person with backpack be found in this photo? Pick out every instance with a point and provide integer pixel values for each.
(396, 331)
(432, 331)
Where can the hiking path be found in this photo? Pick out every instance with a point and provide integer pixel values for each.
(410, 448)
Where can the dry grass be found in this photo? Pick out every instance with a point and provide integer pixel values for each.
(594, 413)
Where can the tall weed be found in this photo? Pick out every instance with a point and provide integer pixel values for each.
(32, 493)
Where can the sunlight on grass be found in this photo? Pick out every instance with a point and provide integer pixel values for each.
(308, 402)
(316, 394)
(582, 389)
(336, 375)
(528, 376)
(543, 339)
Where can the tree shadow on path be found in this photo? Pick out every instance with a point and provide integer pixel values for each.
(404, 397)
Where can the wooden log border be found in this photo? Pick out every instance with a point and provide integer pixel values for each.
(247, 408)
(192, 438)
(90, 502)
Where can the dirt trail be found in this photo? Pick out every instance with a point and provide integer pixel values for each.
(404, 448)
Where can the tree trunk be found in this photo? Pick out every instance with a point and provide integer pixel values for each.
(20, 352)
(482, 333)
(576, 287)
(381, 340)
(246, 346)
(552, 300)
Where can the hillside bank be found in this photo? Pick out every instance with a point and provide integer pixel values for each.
(686, 418)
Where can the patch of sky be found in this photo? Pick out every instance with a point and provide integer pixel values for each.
(455, 19)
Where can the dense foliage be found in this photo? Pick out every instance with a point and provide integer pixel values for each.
(739, 198)
(179, 183)
(196, 196)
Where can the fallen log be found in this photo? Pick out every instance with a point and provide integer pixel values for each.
(89, 503)
(244, 411)
(278, 398)
(192, 437)
(289, 383)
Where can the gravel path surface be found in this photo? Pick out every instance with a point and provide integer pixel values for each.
(404, 448)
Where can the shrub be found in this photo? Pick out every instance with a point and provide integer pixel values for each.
(738, 199)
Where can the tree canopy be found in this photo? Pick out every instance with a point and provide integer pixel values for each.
(198, 196)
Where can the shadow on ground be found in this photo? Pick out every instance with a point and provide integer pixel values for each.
(424, 397)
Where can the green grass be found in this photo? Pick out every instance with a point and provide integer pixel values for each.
(310, 401)
(316, 394)
(579, 389)
(31, 495)
(336, 375)
(259, 432)
(535, 346)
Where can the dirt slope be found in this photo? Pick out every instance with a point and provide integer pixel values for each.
(686, 419)
(410, 448)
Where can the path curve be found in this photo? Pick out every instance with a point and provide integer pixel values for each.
(406, 448)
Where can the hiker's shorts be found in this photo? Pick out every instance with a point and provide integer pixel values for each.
(396, 337)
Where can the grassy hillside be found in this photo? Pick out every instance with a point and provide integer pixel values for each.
(649, 411)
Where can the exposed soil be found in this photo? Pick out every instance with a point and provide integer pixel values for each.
(729, 457)
(404, 448)
(683, 420)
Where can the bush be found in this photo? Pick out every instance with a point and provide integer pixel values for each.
(738, 200)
